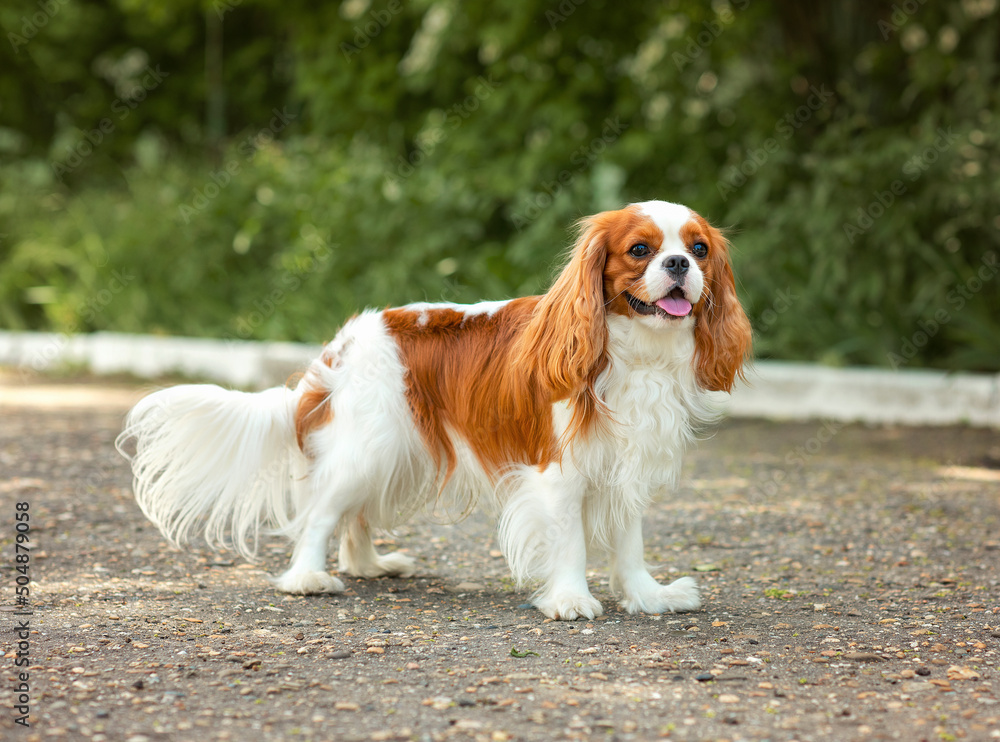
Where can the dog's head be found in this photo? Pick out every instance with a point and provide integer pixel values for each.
(656, 263)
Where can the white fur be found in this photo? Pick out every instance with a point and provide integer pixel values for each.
(488, 308)
(669, 218)
(595, 500)
(214, 459)
(232, 458)
(369, 463)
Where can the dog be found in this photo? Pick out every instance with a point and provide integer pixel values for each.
(563, 414)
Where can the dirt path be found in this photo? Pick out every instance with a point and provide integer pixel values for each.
(851, 578)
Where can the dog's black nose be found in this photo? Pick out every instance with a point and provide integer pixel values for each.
(677, 265)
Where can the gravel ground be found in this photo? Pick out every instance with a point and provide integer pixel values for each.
(850, 577)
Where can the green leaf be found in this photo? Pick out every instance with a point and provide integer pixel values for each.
(515, 653)
(707, 568)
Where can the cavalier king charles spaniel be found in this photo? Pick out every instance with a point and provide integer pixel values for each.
(564, 414)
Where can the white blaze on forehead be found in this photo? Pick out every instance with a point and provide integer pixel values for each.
(670, 218)
(667, 216)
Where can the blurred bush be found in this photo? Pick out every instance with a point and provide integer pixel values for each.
(256, 169)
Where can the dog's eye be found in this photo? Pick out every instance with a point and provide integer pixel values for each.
(700, 249)
(638, 251)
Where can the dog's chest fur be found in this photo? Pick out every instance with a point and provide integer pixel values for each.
(653, 405)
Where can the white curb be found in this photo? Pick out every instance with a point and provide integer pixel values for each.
(239, 363)
(780, 390)
(774, 390)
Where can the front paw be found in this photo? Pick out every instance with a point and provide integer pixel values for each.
(679, 596)
(568, 606)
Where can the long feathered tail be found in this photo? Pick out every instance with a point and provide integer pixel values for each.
(215, 460)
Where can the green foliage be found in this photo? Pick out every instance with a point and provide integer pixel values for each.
(384, 152)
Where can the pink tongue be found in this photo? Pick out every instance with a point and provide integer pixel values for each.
(676, 307)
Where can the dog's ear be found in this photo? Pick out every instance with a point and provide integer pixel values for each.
(722, 331)
(563, 345)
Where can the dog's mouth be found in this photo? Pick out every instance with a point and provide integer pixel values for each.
(674, 305)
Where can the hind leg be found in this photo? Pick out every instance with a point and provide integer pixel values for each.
(307, 573)
(324, 499)
(359, 558)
